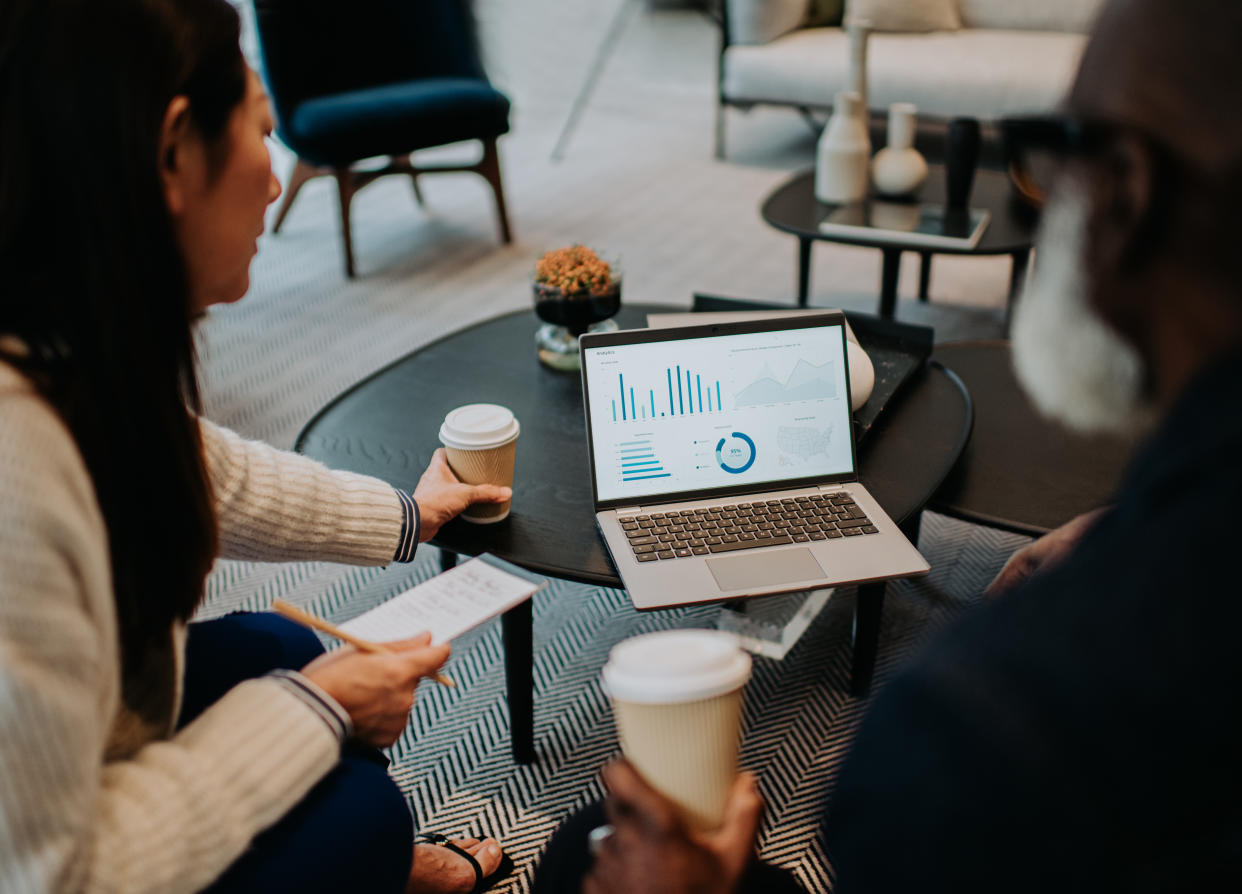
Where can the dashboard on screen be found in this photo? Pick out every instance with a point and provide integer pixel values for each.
(720, 411)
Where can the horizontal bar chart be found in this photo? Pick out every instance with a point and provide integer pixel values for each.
(636, 461)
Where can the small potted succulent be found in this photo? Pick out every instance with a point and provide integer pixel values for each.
(575, 291)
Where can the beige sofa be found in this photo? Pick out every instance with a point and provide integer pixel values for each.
(1009, 57)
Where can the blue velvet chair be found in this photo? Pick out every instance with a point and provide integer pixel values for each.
(352, 81)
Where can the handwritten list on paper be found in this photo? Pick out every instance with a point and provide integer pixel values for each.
(448, 605)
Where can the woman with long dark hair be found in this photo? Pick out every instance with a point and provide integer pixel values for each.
(133, 182)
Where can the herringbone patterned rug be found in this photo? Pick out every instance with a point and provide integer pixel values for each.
(454, 761)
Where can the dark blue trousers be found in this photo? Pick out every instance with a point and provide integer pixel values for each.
(353, 831)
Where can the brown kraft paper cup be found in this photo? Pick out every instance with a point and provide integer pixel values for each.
(492, 465)
(688, 751)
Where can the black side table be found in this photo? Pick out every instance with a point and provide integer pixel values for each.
(794, 209)
(387, 426)
(1021, 472)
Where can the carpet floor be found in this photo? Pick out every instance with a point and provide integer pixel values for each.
(454, 761)
(636, 180)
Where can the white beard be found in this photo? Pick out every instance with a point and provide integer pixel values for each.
(1074, 367)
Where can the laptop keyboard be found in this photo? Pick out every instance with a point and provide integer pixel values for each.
(723, 529)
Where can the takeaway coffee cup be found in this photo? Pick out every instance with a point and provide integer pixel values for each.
(677, 696)
(481, 443)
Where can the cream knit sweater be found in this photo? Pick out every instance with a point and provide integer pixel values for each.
(164, 812)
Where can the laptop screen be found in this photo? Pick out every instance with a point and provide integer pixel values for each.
(698, 414)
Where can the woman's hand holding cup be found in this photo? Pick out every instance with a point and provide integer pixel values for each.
(376, 689)
(441, 496)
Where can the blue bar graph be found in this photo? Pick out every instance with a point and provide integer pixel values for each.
(637, 460)
(690, 388)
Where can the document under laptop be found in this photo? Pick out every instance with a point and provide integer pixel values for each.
(723, 462)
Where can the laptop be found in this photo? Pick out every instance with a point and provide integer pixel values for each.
(723, 462)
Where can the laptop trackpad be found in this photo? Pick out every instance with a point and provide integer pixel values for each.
(769, 569)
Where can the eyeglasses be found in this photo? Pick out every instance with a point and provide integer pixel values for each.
(1037, 147)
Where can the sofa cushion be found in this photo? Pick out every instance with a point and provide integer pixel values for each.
(905, 15)
(980, 73)
(759, 21)
(1046, 15)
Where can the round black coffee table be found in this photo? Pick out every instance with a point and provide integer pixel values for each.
(387, 426)
(794, 209)
(1020, 472)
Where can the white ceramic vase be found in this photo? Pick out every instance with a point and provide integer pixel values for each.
(842, 158)
(859, 31)
(898, 168)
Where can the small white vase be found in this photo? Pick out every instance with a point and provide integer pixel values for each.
(859, 31)
(898, 168)
(843, 155)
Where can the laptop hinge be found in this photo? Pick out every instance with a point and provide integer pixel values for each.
(833, 487)
(628, 510)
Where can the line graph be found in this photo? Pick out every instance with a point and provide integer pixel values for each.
(807, 381)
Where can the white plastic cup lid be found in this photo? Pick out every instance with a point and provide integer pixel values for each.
(479, 426)
(675, 666)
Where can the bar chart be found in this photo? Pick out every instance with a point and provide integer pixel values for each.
(684, 392)
(638, 461)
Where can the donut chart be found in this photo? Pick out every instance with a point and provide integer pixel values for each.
(738, 456)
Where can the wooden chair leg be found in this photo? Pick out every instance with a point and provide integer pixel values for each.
(489, 167)
(345, 190)
(413, 172)
(302, 171)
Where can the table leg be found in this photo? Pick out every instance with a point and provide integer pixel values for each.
(448, 560)
(517, 625)
(925, 259)
(804, 271)
(1017, 279)
(888, 281)
(911, 527)
(868, 609)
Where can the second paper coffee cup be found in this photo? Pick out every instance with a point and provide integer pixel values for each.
(480, 441)
(677, 696)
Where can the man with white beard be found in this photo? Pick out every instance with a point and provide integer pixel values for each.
(1082, 730)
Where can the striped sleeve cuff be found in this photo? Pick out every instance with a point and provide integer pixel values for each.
(410, 524)
(324, 705)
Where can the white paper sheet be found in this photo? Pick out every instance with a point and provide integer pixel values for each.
(447, 605)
